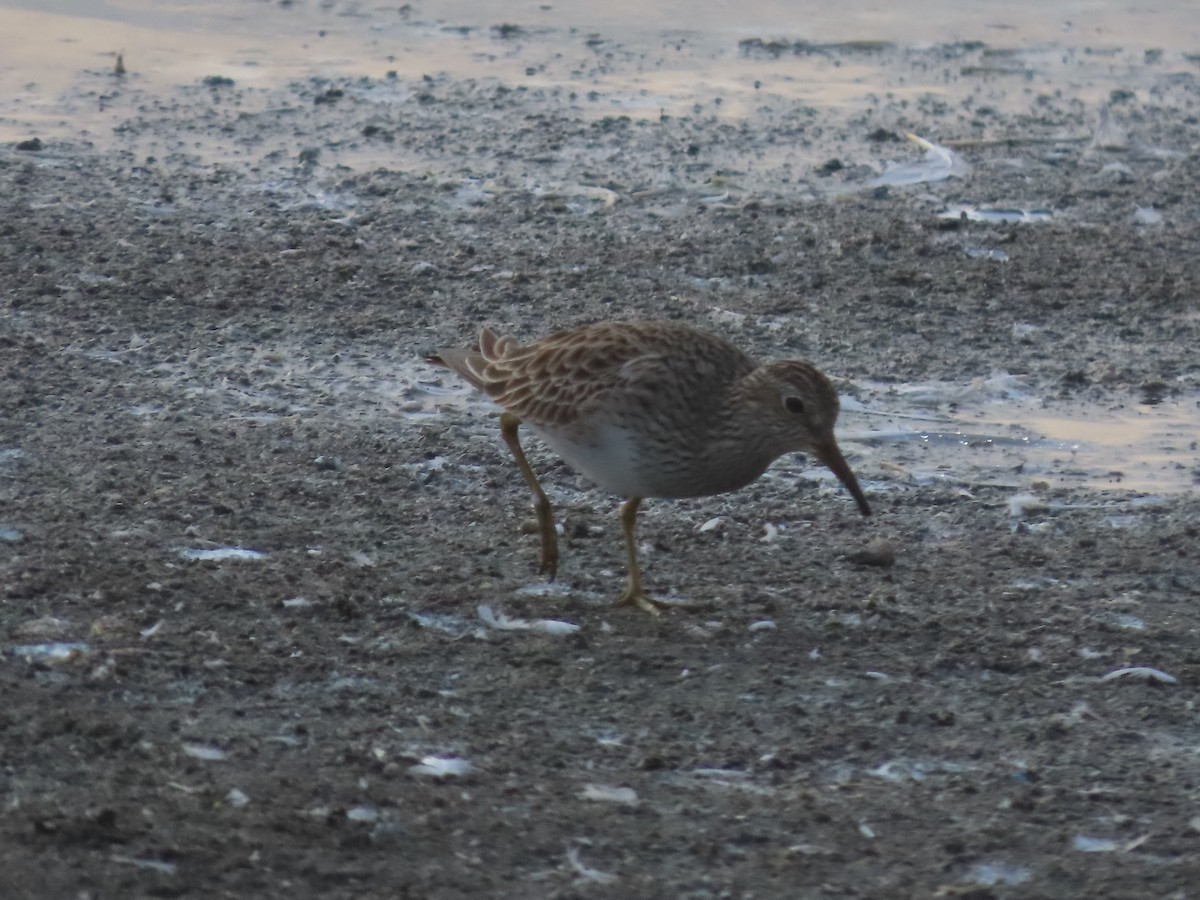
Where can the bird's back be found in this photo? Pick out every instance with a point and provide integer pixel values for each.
(561, 379)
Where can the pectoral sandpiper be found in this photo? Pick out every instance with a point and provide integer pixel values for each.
(652, 409)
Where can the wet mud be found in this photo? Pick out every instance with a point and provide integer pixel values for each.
(271, 624)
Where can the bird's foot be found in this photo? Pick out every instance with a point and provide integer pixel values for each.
(635, 596)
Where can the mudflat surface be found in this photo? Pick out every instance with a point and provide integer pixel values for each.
(211, 333)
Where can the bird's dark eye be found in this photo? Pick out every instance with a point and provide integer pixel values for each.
(794, 404)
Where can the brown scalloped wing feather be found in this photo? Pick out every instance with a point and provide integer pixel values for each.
(559, 379)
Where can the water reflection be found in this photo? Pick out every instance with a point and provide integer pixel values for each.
(645, 59)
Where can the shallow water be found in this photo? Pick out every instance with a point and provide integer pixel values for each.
(1020, 440)
(56, 78)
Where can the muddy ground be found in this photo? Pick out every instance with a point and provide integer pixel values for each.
(201, 355)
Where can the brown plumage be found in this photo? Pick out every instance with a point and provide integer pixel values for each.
(652, 409)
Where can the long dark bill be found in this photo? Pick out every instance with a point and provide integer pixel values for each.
(830, 454)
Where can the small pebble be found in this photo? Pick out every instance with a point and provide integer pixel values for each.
(881, 553)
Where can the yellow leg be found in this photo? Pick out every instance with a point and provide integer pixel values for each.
(634, 595)
(541, 503)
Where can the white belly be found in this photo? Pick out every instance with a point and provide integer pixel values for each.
(608, 457)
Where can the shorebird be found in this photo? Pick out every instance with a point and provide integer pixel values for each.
(651, 409)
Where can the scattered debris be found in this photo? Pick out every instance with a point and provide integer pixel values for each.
(986, 253)
(206, 752)
(441, 767)
(447, 623)
(152, 630)
(992, 874)
(716, 523)
(56, 652)
(1141, 673)
(996, 216)
(1087, 844)
(154, 865)
(501, 622)
(938, 164)
(1147, 215)
(585, 873)
(605, 794)
(220, 554)
(237, 799)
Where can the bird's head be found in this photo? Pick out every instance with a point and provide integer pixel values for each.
(796, 406)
